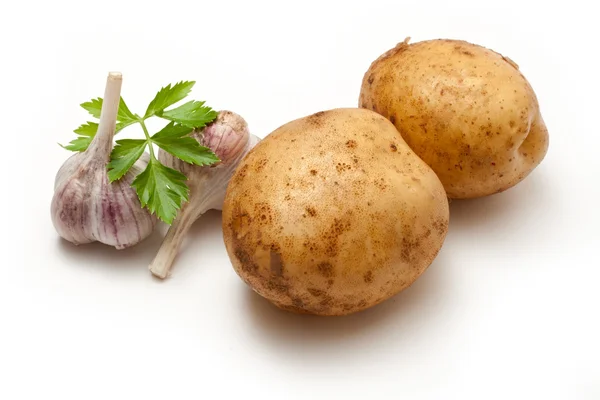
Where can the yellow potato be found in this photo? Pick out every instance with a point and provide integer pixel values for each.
(333, 213)
(466, 110)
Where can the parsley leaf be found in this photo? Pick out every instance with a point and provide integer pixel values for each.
(123, 156)
(87, 132)
(93, 106)
(167, 96)
(79, 144)
(124, 115)
(124, 118)
(174, 139)
(161, 190)
(87, 129)
(122, 125)
(172, 131)
(192, 114)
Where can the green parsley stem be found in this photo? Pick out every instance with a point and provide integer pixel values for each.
(148, 138)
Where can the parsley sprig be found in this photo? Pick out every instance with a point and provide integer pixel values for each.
(161, 189)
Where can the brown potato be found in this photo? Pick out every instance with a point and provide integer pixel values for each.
(333, 213)
(466, 110)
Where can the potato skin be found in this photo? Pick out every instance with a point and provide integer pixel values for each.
(467, 111)
(333, 213)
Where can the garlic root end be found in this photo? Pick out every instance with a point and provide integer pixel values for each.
(164, 259)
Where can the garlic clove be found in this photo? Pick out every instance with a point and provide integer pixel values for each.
(85, 207)
(230, 139)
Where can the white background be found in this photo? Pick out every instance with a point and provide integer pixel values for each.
(509, 310)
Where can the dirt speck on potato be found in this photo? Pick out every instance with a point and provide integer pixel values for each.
(276, 264)
(311, 211)
(351, 144)
(325, 269)
(316, 119)
(316, 292)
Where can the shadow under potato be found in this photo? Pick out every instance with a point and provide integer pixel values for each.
(409, 310)
(509, 208)
(417, 309)
(466, 213)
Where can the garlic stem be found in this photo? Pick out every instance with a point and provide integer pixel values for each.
(162, 263)
(102, 143)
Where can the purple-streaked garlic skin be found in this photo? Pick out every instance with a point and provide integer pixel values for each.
(85, 207)
(230, 139)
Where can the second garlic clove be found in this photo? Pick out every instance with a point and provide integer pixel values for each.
(230, 139)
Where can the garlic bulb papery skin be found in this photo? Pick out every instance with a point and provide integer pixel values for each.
(229, 138)
(86, 207)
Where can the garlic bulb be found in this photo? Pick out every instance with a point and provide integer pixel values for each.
(86, 207)
(229, 138)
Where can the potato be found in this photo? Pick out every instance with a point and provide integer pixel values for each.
(333, 213)
(465, 110)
